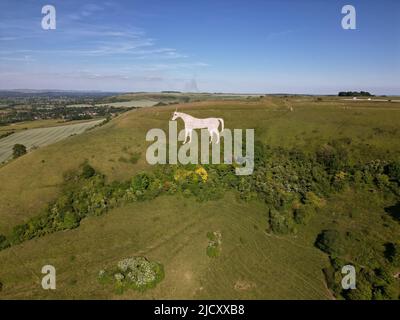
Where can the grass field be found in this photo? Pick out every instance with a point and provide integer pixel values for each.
(25, 125)
(173, 229)
(39, 137)
(251, 265)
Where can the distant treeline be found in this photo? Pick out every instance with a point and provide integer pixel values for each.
(355, 94)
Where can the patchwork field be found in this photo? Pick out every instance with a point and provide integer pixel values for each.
(40, 137)
(172, 229)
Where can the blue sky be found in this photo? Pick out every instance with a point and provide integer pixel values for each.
(254, 46)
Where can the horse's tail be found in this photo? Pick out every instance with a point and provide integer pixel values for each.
(222, 123)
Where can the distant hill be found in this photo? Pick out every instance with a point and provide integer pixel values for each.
(53, 93)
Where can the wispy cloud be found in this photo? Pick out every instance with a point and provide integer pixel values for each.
(87, 10)
(8, 38)
(279, 34)
(87, 50)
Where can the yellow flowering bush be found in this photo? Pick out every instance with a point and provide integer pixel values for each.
(182, 174)
(202, 173)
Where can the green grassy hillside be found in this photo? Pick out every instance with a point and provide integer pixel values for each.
(173, 231)
(253, 262)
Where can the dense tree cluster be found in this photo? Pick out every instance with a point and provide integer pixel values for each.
(354, 94)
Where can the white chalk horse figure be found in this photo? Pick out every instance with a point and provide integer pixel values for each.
(211, 124)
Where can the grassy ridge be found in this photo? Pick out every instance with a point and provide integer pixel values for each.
(311, 124)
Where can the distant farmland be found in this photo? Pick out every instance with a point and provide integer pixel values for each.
(124, 104)
(41, 136)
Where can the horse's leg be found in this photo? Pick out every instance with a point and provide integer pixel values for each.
(217, 133)
(211, 135)
(213, 131)
(186, 136)
(190, 136)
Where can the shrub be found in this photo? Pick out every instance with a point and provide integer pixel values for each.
(363, 291)
(141, 181)
(330, 242)
(332, 280)
(313, 200)
(333, 156)
(245, 189)
(280, 222)
(70, 221)
(136, 273)
(303, 214)
(393, 170)
(392, 253)
(3, 242)
(18, 150)
(382, 181)
(87, 171)
(18, 234)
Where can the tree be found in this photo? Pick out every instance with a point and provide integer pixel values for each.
(330, 241)
(392, 253)
(18, 150)
(393, 170)
(280, 222)
(363, 291)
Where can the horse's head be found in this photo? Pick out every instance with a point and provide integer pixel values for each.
(175, 116)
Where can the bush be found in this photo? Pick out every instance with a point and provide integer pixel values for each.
(303, 214)
(18, 234)
(392, 253)
(393, 170)
(333, 155)
(141, 182)
(280, 222)
(136, 273)
(87, 171)
(18, 150)
(362, 292)
(3, 242)
(330, 242)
